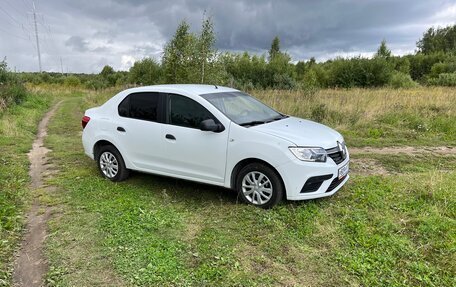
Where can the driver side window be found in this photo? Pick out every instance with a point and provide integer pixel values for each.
(186, 112)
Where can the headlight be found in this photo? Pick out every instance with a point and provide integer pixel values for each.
(316, 154)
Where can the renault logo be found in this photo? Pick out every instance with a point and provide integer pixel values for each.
(341, 147)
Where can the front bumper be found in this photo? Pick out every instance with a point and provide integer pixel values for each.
(296, 173)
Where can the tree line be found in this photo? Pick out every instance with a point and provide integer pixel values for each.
(192, 58)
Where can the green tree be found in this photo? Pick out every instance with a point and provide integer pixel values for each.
(300, 69)
(438, 40)
(275, 48)
(282, 72)
(108, 76)
(4, 74)
(107, 71)
(312, 62)
(178, 58)
(145, 72)
(383, 51)
(206, 51)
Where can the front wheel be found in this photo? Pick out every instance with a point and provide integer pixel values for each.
(259, 185)
(111, 164)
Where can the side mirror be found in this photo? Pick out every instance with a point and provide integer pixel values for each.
(211, 126)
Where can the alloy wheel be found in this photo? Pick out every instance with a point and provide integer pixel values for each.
(108, 164)
(257, 188)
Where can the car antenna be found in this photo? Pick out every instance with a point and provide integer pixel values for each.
(216, 86)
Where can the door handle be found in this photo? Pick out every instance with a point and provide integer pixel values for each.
(170, 137)
(121, 129)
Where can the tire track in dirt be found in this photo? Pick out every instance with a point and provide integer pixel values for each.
(408, 150)
(368, 166)
(30, 265)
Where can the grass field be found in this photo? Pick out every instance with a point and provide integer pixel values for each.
(377, 117)
(396, 229)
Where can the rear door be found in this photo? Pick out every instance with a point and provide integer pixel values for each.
(189, 151)
(141, 123)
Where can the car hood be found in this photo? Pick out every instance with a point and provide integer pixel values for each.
(301, 132)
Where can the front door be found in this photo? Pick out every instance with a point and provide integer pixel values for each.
(191, 152)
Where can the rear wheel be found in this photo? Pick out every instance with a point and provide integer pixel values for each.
(111, 164)
(259, 185)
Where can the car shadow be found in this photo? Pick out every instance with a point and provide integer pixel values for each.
(185, 191)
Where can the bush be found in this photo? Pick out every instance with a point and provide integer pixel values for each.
(12, 91)
(444, 79)
(359, 72)
(442, 68)
(145, 72)
(72, 81)
(283, 82)
(4, 73)
(401, 80)
(421, 65)
(310, 79)
(319, 112)
(97, 83)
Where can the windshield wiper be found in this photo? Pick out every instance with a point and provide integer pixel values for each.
(252, 123)
(276, 118)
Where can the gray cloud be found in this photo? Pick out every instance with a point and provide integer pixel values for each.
(77, 43)
(88, 34)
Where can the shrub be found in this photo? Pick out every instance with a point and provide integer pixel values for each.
(359, 72)
(442, 68)
(319, 112)
(310, 79)
(401, 80)
(4, 73)
(444, 79)
(283, 82)
(72, 81)
(421, 65)
(145, 72)
(97, 83)
(12, 90)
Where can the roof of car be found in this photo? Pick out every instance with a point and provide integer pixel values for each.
(185, 88)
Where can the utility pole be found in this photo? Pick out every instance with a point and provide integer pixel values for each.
(61, 65)
(36, 36)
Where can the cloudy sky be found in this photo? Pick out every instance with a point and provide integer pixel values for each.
(85, 35)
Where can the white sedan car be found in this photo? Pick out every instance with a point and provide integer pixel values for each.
(215, 135)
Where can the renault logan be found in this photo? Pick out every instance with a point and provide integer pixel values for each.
(215, 135)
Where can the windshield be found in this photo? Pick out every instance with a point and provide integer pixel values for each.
(242, 108)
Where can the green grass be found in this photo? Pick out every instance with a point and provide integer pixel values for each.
(377, 231)
(18, 126)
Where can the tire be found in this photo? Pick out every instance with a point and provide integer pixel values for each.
(259, 185)
(111, 164)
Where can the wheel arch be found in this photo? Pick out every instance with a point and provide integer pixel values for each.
(237, 168)
(99, 144)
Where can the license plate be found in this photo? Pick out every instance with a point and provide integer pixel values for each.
(343, 171)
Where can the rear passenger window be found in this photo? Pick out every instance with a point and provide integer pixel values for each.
(142, 106)
(186, 112)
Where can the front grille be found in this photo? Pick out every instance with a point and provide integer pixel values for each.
(335, 183)
(336, 155)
